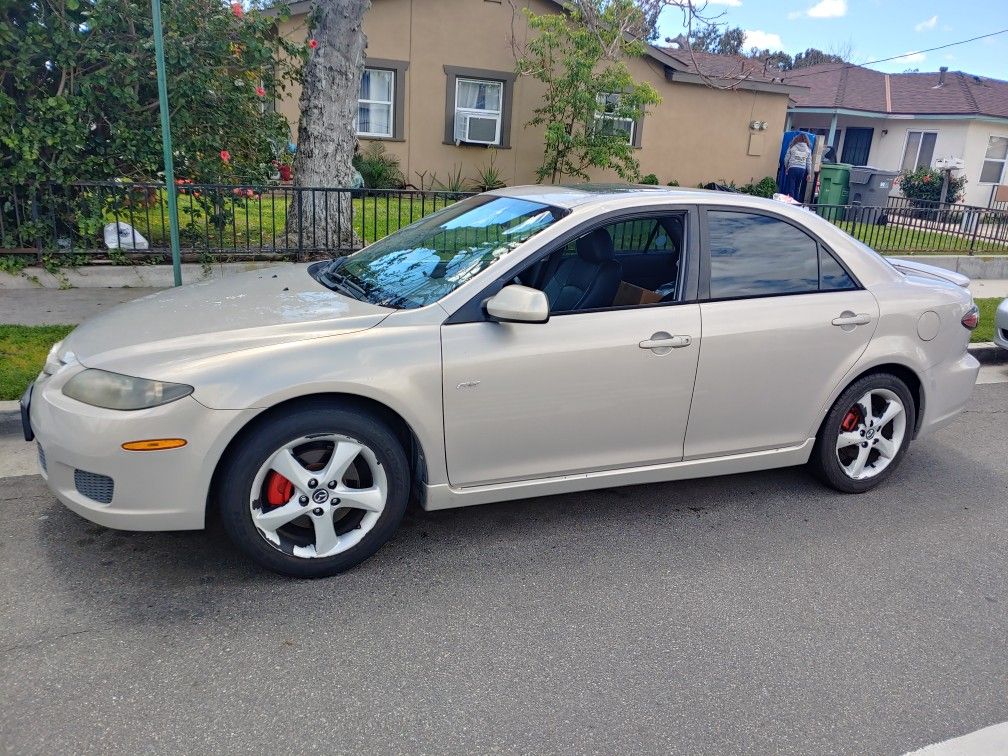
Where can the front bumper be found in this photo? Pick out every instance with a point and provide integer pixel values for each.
(150, 490)
(947, 388)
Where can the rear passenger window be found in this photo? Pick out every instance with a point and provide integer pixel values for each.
(756, 255)
(832, 277)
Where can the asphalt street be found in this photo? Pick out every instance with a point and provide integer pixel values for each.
(746, 614)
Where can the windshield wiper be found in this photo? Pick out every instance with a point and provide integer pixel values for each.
(331, 276)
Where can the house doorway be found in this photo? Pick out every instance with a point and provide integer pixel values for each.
(857, 145)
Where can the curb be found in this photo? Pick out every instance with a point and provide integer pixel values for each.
(989, 353)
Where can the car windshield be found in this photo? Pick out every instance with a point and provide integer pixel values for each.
(428, 259)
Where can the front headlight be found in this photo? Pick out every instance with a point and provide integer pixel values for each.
(101, 388)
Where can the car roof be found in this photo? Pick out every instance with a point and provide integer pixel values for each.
(569, 196)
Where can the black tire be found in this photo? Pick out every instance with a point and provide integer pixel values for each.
(824, 463)
(255, 447)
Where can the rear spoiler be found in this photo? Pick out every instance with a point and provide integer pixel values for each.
(914, 268)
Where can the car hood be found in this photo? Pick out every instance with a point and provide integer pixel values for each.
(914, 268)
(243, 311)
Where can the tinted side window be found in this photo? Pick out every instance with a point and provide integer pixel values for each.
(756, 255)
(832, 277)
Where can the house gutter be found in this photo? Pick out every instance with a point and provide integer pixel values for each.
(898, 116)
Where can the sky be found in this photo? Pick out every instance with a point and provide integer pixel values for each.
(872, 29)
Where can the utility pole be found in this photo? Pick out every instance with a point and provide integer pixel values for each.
(169, 165)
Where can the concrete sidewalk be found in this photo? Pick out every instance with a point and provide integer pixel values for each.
(71, 306)
(58, 307)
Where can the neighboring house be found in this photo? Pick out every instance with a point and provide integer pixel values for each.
(904, 121)
(439, 89)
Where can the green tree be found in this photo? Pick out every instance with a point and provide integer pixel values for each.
(589, 91)
(78, 91)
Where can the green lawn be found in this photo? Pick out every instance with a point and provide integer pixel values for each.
(23, 350)
(261, 221)
(985, 331)
(896, 238)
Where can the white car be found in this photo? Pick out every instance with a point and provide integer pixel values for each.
(1001, 325)
(522, 342)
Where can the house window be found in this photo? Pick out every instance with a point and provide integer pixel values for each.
(994, 160)
(375, 103)
(919, 150)
(607, 120)
(478, 106)
(478, 109)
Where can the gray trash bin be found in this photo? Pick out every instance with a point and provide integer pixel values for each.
(869, 194)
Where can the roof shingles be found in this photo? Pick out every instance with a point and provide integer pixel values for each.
(859, 88)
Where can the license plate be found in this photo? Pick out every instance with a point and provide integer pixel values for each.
(29, 434)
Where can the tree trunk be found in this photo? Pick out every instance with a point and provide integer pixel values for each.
(318, 222)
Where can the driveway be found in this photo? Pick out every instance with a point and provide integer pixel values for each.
(742, 614)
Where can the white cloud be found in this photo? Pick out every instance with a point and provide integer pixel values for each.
(762, 40)
(927, 25)
(729, 3)
(828, 9)
(916, 57)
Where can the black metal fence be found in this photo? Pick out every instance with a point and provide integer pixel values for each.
(126, 221)
(909, 225)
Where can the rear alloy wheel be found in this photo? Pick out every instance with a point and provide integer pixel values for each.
(865, 434)
(316, 491)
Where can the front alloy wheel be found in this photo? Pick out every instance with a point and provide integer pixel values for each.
(317, 496)
(314, 491)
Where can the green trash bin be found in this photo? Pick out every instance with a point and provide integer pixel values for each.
(834, 189)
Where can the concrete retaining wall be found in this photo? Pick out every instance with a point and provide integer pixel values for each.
(118, 276)
(976, 267)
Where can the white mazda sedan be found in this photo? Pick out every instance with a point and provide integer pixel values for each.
(522, 342)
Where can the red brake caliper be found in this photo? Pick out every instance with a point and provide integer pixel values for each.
(851, 420)
(278, 489)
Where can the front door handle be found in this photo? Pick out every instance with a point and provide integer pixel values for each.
(663, 343)
(848, 318)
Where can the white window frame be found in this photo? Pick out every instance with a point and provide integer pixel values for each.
(906, 143)
(390, 102)
(986, 160)
(497, 115)
(602, 115)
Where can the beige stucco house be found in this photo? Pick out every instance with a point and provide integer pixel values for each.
(440, 91)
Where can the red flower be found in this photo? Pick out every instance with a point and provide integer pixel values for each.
(260, 91)
(926, 179)
(237, 10)
(312, 43)
(225, 156)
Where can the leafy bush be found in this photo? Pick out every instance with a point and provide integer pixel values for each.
(925, 185)
(79, 98)
(673, 182)
(378, 169)
(487, 178)
(766, 187)
(454, 181)
(650, 180)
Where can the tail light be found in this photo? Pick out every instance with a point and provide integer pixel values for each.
(972, 318)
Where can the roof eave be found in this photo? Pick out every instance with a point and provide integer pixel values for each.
(687, 77)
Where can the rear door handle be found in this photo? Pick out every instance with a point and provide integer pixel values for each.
(848, 318)
(663, 342)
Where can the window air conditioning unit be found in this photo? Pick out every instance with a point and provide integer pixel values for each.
(478, 129)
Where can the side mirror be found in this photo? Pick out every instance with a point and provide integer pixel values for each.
(518, 304)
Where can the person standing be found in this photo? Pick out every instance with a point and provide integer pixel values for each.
(797, 165)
